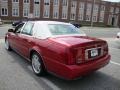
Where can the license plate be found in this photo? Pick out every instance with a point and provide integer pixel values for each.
(93, 52)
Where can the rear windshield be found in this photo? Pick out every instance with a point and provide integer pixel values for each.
(62, 29)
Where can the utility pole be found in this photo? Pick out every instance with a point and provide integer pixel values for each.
(92, 13)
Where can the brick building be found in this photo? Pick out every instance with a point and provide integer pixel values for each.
(77, 11)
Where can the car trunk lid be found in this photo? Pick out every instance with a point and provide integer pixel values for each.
(83, 49)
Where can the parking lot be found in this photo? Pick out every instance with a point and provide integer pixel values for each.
(16, 73)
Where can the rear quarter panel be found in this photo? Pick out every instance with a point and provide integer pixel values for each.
(51, 53)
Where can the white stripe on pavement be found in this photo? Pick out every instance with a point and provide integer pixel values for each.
(115, 63)
(50, 84)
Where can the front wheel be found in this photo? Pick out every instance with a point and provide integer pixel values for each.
(37, 64)
(7, 45)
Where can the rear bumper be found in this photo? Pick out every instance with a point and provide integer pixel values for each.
(70, 72)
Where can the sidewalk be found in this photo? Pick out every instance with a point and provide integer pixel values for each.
(4, 25)
(99, 28)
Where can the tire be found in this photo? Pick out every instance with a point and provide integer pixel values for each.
(7, 45)
(37, 64)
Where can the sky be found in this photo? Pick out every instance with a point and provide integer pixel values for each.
(112, 0)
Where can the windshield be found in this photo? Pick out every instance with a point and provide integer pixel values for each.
(62, 29)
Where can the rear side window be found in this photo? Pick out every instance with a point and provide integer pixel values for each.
(28, 29)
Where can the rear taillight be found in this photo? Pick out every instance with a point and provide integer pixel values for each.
(105, 48)
(79, 57)
(74, 56)
(70, 58)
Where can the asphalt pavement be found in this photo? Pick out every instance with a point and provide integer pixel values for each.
(3, 29)
(16, 73)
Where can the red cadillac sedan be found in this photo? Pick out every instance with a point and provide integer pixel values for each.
(57, 47)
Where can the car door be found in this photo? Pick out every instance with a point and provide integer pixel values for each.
(25, 41)
(14, 36)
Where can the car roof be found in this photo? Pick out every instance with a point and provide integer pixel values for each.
(50, 22)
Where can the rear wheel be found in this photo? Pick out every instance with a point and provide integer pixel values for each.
(7, 45)
(37, 64)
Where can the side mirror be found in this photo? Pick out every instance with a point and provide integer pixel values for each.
(10, 30)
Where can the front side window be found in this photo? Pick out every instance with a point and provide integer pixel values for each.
(18, 28)
(27, 29)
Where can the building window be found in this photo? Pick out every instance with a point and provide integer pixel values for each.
(89, 6)
(46, 11)
(37, 8)
(117, 10)
(88, 12)
(64, 15)
(94, 18)
(64, 2)
(64, 9)
(80, 17)
(46, 14)
(101, 19)
(26, 1)
(72, 5)
(36, 12)
(25, 12)
(56, 2)
(55, 9)
(102, 8)
(73, 10)
(46, 2)
(95, 13)
(55, 14)
(95, 8)
(15, 12)
(36, 1)
(81, 5)
(4, 11)
(81, 11)
(88, 17)
(111, 9)
(15, 1)
(72, 16)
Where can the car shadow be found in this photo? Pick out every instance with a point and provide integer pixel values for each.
(95, 81)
